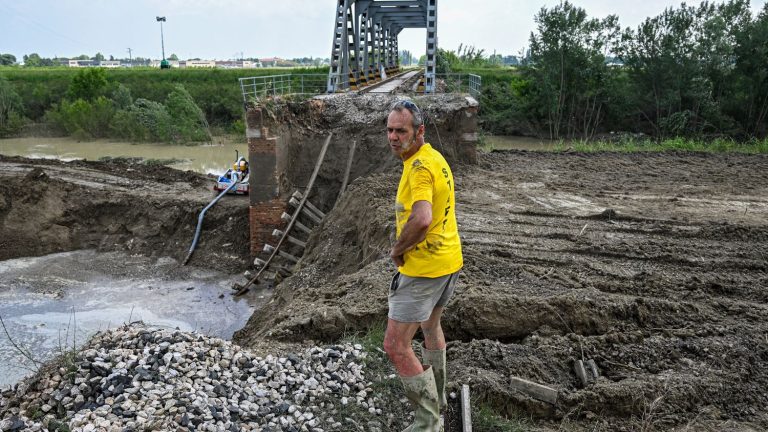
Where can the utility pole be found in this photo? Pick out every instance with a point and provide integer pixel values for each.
(130, 58)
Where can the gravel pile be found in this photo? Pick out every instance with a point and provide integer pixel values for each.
(140, 378)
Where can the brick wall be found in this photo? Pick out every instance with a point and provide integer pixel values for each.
(266, 207)
(264, 218)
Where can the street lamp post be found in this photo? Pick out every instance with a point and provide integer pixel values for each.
(164, 64)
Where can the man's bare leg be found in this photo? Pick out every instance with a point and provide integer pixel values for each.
(397, 345)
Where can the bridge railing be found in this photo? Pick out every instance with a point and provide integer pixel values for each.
(280, 85)
(314, 84)
(459, 83)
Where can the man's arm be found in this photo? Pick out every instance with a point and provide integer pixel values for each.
(414, 231)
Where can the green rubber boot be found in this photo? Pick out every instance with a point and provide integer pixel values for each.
(436, 359)
(422, 393)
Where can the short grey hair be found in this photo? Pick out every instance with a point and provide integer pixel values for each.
(405, 104)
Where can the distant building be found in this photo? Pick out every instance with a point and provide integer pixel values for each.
(197, 64)
(238, 64)
(82, 63)
(93, 63)
(271, 61)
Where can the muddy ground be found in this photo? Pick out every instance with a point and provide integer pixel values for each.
(653, 265)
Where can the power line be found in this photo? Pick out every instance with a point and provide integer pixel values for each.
(31, 21)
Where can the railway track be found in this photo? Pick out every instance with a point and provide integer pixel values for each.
(394, 84)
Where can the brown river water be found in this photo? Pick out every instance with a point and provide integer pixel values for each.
(206, 159)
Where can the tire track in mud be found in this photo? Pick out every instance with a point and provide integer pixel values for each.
(668, 306)
(573, 257)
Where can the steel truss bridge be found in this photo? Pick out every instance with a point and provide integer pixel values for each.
(365, 41)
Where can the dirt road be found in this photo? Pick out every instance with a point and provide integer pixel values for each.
(655, 266)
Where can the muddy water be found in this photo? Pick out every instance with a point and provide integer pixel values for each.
(206, 159)
(55, 301)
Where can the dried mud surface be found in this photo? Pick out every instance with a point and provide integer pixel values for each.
(653, 265)
(48, 206)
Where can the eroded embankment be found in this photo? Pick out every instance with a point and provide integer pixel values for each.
(301, 127)
(49, 206)
(653, 265)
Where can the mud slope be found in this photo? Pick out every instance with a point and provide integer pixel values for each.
(653, 265)
(50, 206)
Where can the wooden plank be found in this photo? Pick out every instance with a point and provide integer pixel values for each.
(466, 409)
(534, 390)
(347, 171)
(581, 373)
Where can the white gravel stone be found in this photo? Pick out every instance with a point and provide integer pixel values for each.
(137, 377)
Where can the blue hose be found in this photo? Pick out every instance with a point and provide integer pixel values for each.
(200, 221)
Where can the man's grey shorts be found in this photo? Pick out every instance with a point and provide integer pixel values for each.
(411, 299)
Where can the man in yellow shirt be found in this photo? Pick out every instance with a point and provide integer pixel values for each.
(428, 257)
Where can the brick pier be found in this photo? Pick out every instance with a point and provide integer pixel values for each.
(265, 203)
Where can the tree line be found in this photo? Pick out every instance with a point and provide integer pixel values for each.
(692, 71)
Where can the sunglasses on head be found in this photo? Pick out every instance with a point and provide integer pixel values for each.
(410, 106)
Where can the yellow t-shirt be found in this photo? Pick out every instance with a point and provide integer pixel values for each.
(427, 177)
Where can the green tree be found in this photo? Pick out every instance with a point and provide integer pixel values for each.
(99, 57)
(88, 84)
(568, 72)
(749, 85)
(122, 97)
(32, 60)
(145, 120)
(187, 119)
(84, 119)
(11, 109)
(7, 59)
(173, 57)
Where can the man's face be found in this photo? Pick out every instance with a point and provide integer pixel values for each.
(400, 132)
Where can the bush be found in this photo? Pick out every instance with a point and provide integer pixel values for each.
(88, 84)
(145, 120)
(122, 97)
(84, 119)
(187, 119)
(11, 109)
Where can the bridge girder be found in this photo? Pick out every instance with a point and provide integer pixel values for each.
(365, 43)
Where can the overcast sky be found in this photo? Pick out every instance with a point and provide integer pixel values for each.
(223, 29)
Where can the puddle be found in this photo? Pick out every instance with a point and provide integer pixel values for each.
(205, 159)
(52, 302)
